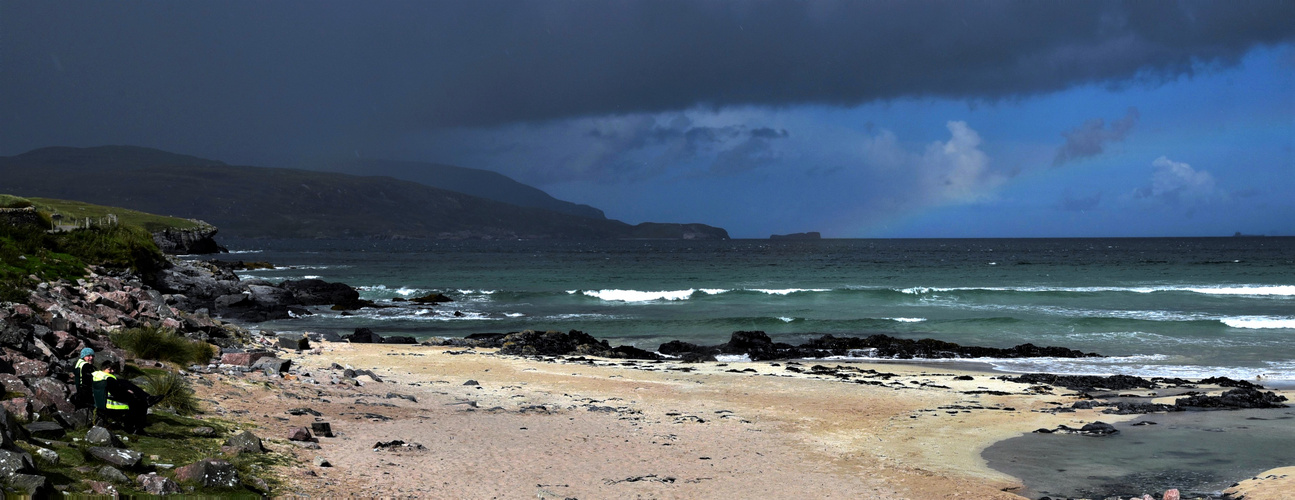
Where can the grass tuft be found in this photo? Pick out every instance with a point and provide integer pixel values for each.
(163, 344)
(175, 391)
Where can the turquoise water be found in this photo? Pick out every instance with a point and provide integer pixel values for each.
(1158, 307)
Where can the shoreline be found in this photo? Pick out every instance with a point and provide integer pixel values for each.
(562, 426)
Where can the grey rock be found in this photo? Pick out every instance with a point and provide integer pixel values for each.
(203, 431)
(119, 457)
(293, 341)
(111, 474)
(99, 436)
(14, 462)
(299, 434)
(272, 365)
(245, 442)
(322, 462)
(31, 485)
(47, 430)
(321, 429)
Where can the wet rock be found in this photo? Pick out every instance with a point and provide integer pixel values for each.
(317, 292)
(210, 473)
(574, 342)
(1085, 383)
(1091, 429)
(1243, 397)
(432, 298)
(399, 340)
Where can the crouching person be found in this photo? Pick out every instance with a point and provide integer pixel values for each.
(119, 400)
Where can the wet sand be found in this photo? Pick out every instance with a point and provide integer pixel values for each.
(489, 426)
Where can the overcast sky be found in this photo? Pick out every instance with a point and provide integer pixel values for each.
(853, 118)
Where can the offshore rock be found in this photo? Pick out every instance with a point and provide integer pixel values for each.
(363, 336)
(317, 292)
(1246, 397)
(575, 342)
(758, 346)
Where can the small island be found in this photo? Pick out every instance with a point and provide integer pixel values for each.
(812, 235)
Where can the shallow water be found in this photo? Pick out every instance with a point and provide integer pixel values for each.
(1199, 453)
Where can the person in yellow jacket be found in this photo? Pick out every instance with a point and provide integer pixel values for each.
(119, 400)
(83, 376)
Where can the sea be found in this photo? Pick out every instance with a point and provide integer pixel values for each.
(1169, 307)
(1154, 307)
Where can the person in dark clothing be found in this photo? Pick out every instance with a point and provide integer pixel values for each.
(120, 400)
(83, 377)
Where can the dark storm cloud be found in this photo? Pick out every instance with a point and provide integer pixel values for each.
(1091, 138)
(289, 76)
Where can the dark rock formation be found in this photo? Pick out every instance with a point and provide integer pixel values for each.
(215, 287)
(198, 240)
(245, 442)
(759, 346)
(1244, 397)
(1085, 383)
(1092, 429)
(431, 298)
(531, 343)
(363, 336)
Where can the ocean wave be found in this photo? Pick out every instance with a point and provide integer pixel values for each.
(1259, 322)
(1250, 290)
(637, 295)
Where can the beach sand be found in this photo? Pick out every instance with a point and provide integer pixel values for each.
(598, 428)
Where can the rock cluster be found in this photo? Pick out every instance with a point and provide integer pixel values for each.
(213, 286)
(758, 346)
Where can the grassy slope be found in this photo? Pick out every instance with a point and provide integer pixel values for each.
(126, 216)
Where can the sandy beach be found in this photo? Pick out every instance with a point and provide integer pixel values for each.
(481, 425)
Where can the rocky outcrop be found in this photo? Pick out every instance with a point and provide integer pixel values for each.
(213, 286)
(550, 343)
(670, 231)
(198, 240)
(21, 217)
(758, 346)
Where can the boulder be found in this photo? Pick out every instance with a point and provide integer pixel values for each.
(272, 365)
(296, 342)
(154, 484)
(14, 462)
(111, 474)
(245, 442)
(322, 429)
(48, 456)
(400, 340)
(431, 298)
(316, 292)
(363, 336)
(31, 485)
(209, 473)
(119, 457)
(45, 430)
(242, 358)
(299, 434)
(99, 436)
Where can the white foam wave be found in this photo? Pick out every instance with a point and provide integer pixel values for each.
(638, 295)
(1259, 322)
(1253, 290)
(245, 251)
(789, 291)
(733, 358)
(785, 319)
(907, 320)
(477, 292)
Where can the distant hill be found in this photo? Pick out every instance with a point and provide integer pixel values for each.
(260, 202)
(480, 183)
